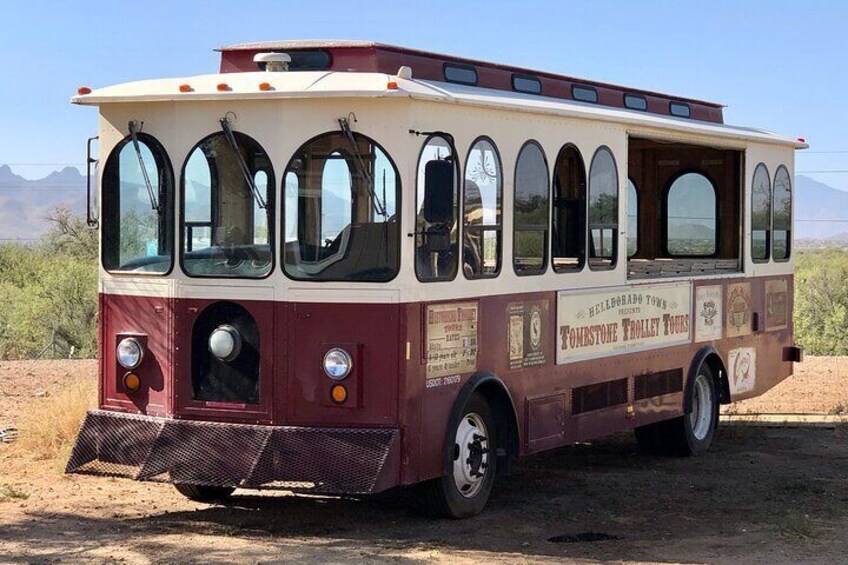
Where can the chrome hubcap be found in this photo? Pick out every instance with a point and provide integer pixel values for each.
(470, 455)
(701, 417)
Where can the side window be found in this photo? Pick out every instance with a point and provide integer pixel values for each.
(481, 246)
(437, 217)
(603, 210)
(530, 216)
(632, 219)
(690, 213)
(760, 215)
(138, 185)
(568, 241)
(782, 223)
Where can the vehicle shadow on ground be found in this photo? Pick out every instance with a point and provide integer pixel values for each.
(780, 491)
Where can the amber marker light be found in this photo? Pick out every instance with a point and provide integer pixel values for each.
(265, 86)
(131, 382)
(185, 88)
(83, 90)
(392, 85)
(338, 393)
(223, 87)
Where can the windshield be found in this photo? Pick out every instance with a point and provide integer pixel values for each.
(225, 224)
(340, 211)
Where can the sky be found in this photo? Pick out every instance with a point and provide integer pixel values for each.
(777, 65)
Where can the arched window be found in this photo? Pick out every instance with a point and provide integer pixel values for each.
(632, 219)
(568, 242)
(228, 208)
(340, 211)
(530, 233)
(437, 217)
(690, 217)
(138, 186)
(782, 227)
(603, 210)
(481, 249)
(760, 215)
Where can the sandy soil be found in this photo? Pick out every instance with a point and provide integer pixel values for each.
(770, 496)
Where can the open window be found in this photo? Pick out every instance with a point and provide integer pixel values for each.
(603, 210)
(437, 205)
(481, 248)
(530, 232)
(568, 249)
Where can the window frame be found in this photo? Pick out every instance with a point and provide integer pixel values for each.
(585, 88)
(665, 216)
(767, 257)
(529, 78)
(615, 240)
(460, 67)
(789, 246)
(168, 222)
(485, 227)
(581, 265)
(636, 192)
(270, 202)
(546, 244)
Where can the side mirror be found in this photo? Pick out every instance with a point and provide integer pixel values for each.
(438, 191)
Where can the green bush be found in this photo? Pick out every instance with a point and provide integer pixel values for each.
(821, 301)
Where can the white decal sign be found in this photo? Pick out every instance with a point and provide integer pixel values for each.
(451, 339)
(742, 364)
(621, 320)
(708, 309)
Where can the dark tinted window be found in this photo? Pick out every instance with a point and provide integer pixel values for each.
(635, 102)
(136, 236)
(437, 237)
(760, 214)
(342, 199)
(530, 233)
(632, 219)
(584, 93)
(679, 109)
(307, 61)
(461, 74)
(225, 228)
(481, 249)
(782, 228)
(603, 210)
(691, 226)
(568, 241)
(531, 85)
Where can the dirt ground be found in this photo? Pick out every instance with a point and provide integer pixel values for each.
(762, 495)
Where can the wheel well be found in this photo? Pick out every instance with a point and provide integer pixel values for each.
(713, 360)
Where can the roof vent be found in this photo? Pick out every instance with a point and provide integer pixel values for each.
(273, 62)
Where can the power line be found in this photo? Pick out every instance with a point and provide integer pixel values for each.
(821, 172)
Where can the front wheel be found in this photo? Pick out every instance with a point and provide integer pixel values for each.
(464, 491)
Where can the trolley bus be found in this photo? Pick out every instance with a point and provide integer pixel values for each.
(343, 267)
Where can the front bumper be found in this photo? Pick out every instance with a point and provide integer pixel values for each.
(306, 459)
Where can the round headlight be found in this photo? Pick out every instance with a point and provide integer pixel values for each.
(225, 343)
(338, 363)
(130, 353)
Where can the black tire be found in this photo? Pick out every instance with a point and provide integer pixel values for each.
(202, 493)
(443, 496)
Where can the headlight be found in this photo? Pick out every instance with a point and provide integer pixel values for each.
(225, 343)
(130, 353)
(338, 363)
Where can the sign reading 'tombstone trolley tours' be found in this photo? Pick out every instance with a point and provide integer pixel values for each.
(594, 324)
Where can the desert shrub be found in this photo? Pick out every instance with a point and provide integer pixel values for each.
(821, 302)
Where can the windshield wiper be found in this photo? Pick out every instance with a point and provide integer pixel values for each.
(379, 207)
(228, 133)
(151, 194)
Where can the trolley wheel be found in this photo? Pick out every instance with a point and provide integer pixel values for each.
(465, 490)
(202, 493)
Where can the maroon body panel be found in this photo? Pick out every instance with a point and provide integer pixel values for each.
(430, 66)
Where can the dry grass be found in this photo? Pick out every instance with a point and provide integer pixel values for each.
(50, 425)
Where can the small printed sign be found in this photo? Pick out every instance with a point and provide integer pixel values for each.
(527, 323)
(451, 339)
(738, 309)
(777, 304)
(742, 365)
(708, 309)
(620, 320)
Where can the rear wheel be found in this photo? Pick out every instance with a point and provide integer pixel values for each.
(202, 493)
(464, 491)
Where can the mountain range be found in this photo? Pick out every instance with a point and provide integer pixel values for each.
(821, 211)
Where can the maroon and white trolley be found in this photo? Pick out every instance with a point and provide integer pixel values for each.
(342, 267)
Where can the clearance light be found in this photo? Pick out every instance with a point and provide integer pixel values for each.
(223, 87)
(185, 88)
(338, 393)
(392, 85)
(265, 86)
(131, 382)
(83, 90)
(802, 140)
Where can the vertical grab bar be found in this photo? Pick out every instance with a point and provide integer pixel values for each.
(89, 220)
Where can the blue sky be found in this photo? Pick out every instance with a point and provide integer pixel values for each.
(778, 65)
